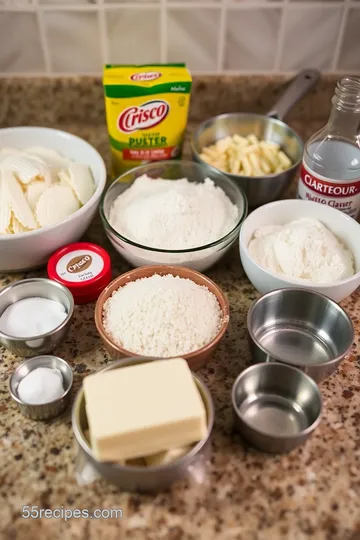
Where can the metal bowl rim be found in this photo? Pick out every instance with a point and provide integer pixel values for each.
(307, 291)
(221, 240)
(29, 362)
(158, 468)
(52, 284)
(265, 365)
(213, 119)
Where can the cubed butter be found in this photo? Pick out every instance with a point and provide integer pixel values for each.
(136, 462)
(167, 456)
(140, 410)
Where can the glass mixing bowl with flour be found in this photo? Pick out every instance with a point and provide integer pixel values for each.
(173, 212)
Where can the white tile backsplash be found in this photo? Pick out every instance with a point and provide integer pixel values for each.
(350, 50)
(246, 32)
(192, 36)
(119, 2)
(15, 3)
(310, 37)
(61, 3)
(73, 39)
(133, 35)
(211, 36)
(20, 51)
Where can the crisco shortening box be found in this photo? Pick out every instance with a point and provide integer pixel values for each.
(146, 112)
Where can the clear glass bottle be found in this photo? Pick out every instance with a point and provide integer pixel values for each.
(330, 171)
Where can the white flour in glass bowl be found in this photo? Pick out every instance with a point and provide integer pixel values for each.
(173, 215)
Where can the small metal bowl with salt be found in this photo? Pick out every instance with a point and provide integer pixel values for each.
(42, 386)
(35, 316)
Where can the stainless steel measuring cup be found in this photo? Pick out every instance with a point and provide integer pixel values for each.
(261, 189)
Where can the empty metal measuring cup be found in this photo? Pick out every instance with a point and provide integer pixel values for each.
(276, 407)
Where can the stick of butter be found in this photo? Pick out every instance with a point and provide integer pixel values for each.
(143, 409)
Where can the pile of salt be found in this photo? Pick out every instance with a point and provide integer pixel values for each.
(41, 385)
(31, 317)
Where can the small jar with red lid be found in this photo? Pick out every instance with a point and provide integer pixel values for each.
(84, 268)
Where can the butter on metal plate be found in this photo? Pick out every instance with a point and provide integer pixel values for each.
(139, 410)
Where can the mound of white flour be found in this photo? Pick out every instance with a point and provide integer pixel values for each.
(173, 214)
(162, 316)
(302, 249)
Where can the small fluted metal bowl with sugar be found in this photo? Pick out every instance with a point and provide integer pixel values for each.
(345, 228)
(150, 478)
(43, 411)
(301, 328)
(198, 258)
(32, 249)
(195, 359)
(30, 288)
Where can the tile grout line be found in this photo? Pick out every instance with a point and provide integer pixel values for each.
(163, 32)
(340, 38)
(242, 6)
(43, 39)
(222, 35)
(181, 6)
(136, 7)
(228, 73)
(103, 33)
(281, 39)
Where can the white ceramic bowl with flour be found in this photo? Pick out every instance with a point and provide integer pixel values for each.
(346, 229)
(32, 249)
(165, 217)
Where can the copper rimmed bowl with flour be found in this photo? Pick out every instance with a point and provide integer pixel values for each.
(173, 212)
(162, 311)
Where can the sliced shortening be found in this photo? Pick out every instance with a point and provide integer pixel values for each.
(17, 200)
(34, 191)
(27, 168)
(81, 180)
(56, 204)
(140, 410)
(64, 179)
(27, 174)
(16, 226)
(5, 211)
(51, 157)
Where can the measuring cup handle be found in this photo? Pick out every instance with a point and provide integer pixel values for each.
(304, 81)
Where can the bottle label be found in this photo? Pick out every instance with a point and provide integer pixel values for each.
(343, 195)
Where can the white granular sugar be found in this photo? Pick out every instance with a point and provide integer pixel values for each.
(173, 214)
(162, 316)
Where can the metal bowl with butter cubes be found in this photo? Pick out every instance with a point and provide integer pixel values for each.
(146, 383)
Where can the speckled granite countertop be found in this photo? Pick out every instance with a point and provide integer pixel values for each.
(313, 492)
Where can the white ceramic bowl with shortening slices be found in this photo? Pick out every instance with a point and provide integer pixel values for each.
(32, 249)
(281, 212)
